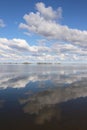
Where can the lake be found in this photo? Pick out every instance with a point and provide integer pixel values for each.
(43, 97)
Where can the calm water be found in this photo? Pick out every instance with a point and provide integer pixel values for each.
(43, 97)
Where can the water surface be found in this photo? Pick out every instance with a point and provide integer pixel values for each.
(43, 97)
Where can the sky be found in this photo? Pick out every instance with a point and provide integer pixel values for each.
(43, 31)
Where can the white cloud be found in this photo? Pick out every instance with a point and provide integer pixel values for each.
(19, 50)
(2, 24)
(44, 23)
(67, 44)
(48, 12)
(71, 44)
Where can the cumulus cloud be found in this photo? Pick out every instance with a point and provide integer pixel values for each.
(57, 42)
(48, 12)
(2, 24)
(19, 50)
(44, 23)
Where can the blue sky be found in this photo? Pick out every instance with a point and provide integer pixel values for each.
(47, 30)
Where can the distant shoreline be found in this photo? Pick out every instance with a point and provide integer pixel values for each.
(42, 63)
(30, 63)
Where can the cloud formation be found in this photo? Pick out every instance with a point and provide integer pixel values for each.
(19, 50)
(47, 12)
(67, 44)
(44, 22)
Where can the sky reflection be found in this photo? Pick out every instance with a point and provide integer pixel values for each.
(42, 95)
(57, 76)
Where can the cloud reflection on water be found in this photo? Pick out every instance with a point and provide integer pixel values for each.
(43, 104)
(61, 85)
(59, 77)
